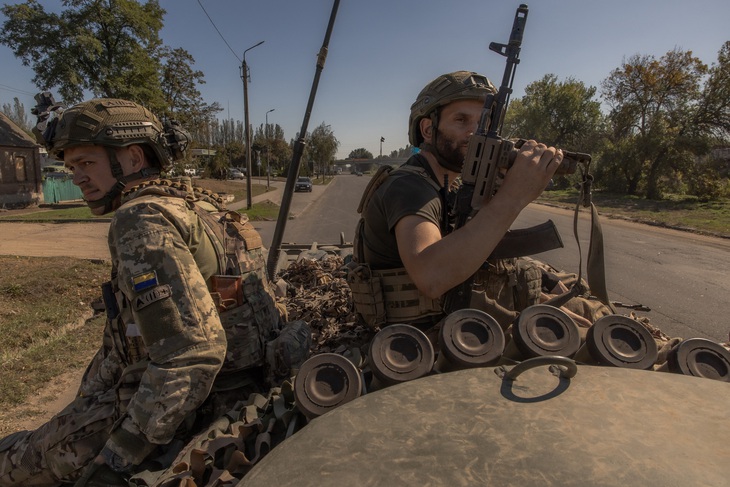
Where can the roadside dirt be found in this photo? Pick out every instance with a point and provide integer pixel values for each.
(80, 240)
(41, 407)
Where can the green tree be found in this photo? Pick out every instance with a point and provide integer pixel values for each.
(656, 107)
(560, 113)
(402, 152)
(714, 107)
(179, 83)
(273, 146)
(108, 47)
(322, 148)
(16, 112)
(360, 153)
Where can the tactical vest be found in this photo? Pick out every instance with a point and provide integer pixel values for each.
(386, 296)
(502, 287)
(240, 289)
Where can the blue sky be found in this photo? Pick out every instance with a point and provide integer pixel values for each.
(382, 52)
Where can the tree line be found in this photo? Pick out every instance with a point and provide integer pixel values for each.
(667, 121)
(653, 128)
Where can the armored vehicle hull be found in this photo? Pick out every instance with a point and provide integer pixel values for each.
(604, 426)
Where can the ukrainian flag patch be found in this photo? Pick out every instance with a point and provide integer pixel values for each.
(141, 282)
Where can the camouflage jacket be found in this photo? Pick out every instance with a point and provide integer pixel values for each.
(165, 343)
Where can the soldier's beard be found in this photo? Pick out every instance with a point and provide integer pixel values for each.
(450, 153)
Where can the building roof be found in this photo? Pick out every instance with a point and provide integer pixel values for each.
(13, 136)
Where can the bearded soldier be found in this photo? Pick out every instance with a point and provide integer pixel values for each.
(189, 307)
(410, 255)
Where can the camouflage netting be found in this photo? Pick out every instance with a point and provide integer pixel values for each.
(317, 292)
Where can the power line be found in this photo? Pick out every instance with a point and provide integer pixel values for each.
(219, 32)
(16, 90)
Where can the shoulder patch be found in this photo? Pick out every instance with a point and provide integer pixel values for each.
(152, 296)
(140, 282)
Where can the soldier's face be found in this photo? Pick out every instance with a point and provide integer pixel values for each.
(92, 171)
(457, 122)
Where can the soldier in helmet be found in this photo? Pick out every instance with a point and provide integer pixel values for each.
(404, 236)
(189, 308)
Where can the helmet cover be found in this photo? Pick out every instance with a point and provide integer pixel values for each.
(447, 88)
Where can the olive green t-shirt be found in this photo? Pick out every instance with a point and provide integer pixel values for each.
(402, 194)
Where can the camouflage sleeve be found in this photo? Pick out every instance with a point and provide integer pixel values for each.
(176, 318)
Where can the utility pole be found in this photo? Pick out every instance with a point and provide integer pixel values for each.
(268, 148)
(245, 77)
(382, 139)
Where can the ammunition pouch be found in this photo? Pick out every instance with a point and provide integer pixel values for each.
(367, 295)
(504, 287)
(388, 296)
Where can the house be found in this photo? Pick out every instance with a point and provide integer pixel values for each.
(20, 167)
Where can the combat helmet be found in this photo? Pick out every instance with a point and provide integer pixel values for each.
(447, 88)
(117, 123)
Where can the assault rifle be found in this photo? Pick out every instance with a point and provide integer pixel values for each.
(489, 156)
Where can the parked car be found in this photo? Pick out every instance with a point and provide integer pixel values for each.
(56, 170)
(234, 173)
(303, 184)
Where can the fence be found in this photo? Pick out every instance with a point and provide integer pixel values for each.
(57, 189)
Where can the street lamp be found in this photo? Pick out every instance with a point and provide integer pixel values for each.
(268, 148)
(245, 77)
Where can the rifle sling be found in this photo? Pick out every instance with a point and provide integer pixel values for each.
(528, 241)
(595, 267)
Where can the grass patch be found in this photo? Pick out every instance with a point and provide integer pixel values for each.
(264, 211)
(81, 212)
(676, 211)
(322, 181)
(42, 331)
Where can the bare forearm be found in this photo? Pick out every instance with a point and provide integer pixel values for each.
(439, 264)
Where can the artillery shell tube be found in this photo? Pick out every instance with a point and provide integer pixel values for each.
(542, 330)
(619, 341)
(324, 382)
(399, 353)
(469, 338)
(701, 358)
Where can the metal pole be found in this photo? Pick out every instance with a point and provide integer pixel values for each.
(244, 77)
(268, 149)
(274, 250)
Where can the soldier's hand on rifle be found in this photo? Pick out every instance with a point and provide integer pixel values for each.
(531, 172)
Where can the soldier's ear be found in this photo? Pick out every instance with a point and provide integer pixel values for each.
(426, 127)
(137, 157)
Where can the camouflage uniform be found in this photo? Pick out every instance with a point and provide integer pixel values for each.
(165, 347)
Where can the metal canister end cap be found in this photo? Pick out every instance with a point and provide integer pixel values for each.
(324, 382)
(543, 330)
(399, 353)
(622, 342)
